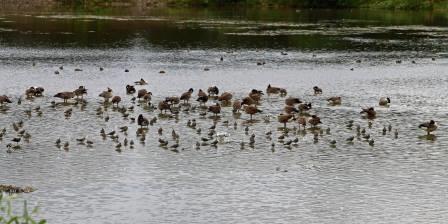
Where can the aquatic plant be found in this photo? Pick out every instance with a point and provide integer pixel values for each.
(8, 216)
(14, 189)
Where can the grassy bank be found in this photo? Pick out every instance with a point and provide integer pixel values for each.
(406, 4)
(377, 4)
(383, 4)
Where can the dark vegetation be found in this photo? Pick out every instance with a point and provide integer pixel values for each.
(389, 4)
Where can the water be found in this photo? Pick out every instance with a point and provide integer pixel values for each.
(396, 181)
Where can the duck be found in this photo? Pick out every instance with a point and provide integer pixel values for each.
(251, 110)
(141, 82)
(284, 118)
(147, 97)
(173, 100)
(275, 90)
(236, 106)
(164, 106)
(107, 94)
(16, 140)
(142, 121)
(187, 95)
(201, 93)
(80, 91)
(225, 97)
(39, 91)
(256, 95)
(370, 112)
(215, 109)
(317, 90)
(141, 93)
(335, 100)
(291, 101)
(314, 120)
(384, 101)
(304, 107)
(29, 93)
(116, 100)
(4, 99)
(248, 101)
(130, 89)
(290, 109)
(65, 96)
(202, 97)
(428, 126)
(302, 122)
(213, 91)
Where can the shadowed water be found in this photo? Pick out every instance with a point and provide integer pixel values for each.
(398, 180)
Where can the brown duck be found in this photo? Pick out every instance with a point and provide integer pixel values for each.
(256, 95)
(65, 96)
(215, 109)
(130, 89)
(39, 91)
(164, 106)
(284, 118)
(302, 122)
(4, 99)
(314, 121)
(141, 93)
(275, 90)
(107, 94)
(236, 106)
(248, 101)
(116, 100)
(147, 97)
(142, 121)
(290, 109)
(251, 110)
(172, 100)
(213, 91)
(29, 93)
(187, 95)
(202, 97)
(384, 101)
(335, 100)
(304, 107)
(291, 101)
(141, 82)
(370, 112)
(428, 126)
(317, 90)
(80, 92)
(225, 97)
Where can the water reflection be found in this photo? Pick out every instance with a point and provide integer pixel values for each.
(357, 30)
(310, 181)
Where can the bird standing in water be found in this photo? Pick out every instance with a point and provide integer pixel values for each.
(428, 126)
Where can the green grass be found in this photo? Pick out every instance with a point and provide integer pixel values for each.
(400, 4)
(9, 216)
(383, 4)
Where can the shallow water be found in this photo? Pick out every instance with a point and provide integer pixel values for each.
(396, 181)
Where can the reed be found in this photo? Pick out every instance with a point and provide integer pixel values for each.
(8, 213)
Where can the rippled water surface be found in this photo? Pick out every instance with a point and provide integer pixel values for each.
(398, 180)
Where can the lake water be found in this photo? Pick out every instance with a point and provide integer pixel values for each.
(398, 180)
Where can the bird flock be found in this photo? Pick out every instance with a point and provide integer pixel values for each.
(210, 104)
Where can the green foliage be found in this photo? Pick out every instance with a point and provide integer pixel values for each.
(7, 216)
(391, 4)
(401, 4)
(385, 4)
